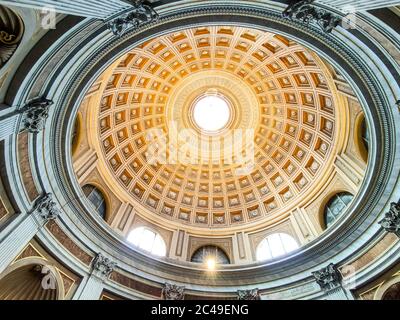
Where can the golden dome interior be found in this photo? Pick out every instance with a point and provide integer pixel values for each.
(276, 87)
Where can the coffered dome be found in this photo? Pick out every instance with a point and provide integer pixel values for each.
(277, 94)
(200, 150)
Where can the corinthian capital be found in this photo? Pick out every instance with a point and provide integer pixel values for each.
(46, 208)
(328, 278)
(139, 14)
(173, 292)
(391, 221)
(35, 114)
(252, 294)
(103, 266)
(306, 12)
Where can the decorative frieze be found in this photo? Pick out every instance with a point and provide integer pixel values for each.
(68, 243)
(35, 114)
(139, 15)
(103, 266)
(252, 294)
(173, 292)
(391, 221)
(46, 208)
(305, 12)
(328, 278)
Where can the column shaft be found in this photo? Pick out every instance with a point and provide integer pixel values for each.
(92, 289)
(13, 243)
(84, 8)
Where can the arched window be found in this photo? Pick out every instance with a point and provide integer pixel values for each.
(148, 240)
(206, 253)
(365, 134)
(96, 197)
(336, 206)
(275, 245)
(75, 134)
(362, 137)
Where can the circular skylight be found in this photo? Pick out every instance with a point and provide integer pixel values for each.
(211, 113)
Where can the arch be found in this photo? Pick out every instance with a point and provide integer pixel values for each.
(320, 251)
(97, 199)
(148, 240)
(275, 245)
(387, 289)
(335, 206)
(26, 280)
(392, 293)
(204, 253)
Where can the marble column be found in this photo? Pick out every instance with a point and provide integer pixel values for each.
(12, 243)
(8, 126)
(93, 285)
(85, 8)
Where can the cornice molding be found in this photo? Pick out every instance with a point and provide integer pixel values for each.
(276, 16)
(69, 98)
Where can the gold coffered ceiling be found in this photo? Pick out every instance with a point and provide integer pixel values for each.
(275, 86)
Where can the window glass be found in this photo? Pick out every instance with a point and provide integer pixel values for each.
(275, 245)
(336, 206)
(96, 198)
(205, 253)
(148, 240)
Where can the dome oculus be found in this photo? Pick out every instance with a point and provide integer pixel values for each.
(211, 113)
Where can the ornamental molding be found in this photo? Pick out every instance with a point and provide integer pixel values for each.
(35, 114)
(328, 278)
(69, 99)
(334, 44)
(11, 33)
(252, 294)
(305, 12)
(173, 292)
(391, 221)
(46, 208)
(139, 15)
(102, 266)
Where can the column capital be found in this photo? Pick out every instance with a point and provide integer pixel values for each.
(328, 278)
(173, 292)
(306, 12)
(102, 266)
(391, 221)
(252, 294)
(35, 114)
(139, 14)
(46, 208)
